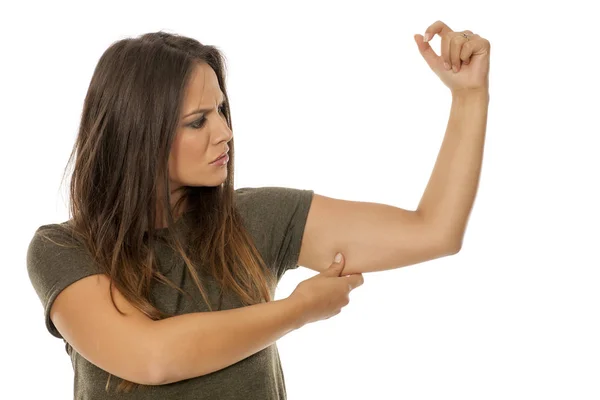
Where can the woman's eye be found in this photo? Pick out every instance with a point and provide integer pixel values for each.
(200, 122)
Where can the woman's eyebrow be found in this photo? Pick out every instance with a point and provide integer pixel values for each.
(201, 110)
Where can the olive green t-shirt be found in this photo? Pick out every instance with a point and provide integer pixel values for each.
(275, 218)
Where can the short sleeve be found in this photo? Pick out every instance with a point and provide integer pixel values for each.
(276, 218)
(52, 267)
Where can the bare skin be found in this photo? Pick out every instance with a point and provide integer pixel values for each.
(200, 139)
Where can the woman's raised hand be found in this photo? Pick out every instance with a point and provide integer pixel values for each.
(465, 61)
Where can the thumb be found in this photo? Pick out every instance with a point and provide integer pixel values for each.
(336, 267)
(427, 52)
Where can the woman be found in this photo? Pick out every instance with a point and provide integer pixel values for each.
(158, 238)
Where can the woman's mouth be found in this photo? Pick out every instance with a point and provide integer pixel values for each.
(221, 161)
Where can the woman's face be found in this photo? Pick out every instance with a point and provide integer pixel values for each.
(202, 134)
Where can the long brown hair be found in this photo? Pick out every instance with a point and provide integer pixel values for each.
(128, 124)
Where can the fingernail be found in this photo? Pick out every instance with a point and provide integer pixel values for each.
(446, 65)
(454, 68)
(338, 257)
(426, 37)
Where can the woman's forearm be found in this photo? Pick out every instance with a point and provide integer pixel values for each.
(450, 192)
(195, 344)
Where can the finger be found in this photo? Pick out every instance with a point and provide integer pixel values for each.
(355, 280)
(446, 50)
(427, 52)
(466, 51)
(475, 45)
(457, 43)
(442, 30)
(335, 268)
(437, 28)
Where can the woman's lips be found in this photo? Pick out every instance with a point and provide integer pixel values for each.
(222, 160)
(221, 156)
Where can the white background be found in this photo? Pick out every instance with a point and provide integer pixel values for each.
(335, 97)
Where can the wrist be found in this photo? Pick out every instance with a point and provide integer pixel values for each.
(297, 310)
(471, 93)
